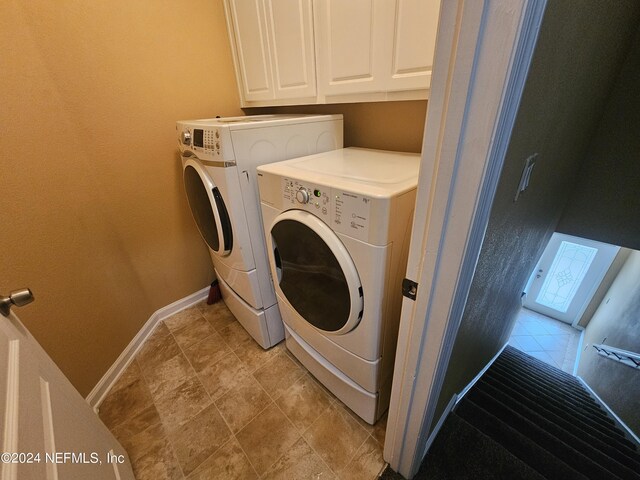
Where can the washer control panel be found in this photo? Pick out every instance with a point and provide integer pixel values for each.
(209, 143)
(343, 211)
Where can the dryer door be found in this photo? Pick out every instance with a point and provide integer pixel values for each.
(315, 272)
(208, 208)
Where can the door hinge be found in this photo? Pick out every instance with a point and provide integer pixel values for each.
(409, 288)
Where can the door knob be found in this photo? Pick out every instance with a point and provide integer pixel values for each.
(19, 298)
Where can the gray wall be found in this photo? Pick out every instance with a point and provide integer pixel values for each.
(573, 70)
(605, 205)
(605, 284)
(617, 319)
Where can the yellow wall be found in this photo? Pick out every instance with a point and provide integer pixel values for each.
(396, 126)
(94, 218)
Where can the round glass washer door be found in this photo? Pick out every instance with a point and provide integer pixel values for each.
(315, 272)
(208, 208)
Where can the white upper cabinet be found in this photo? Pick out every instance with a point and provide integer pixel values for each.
(246, 20)
(290, 27)
(413, 43)
(331, 51)
(349, 40)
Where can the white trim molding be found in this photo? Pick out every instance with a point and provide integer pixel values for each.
(455, 399)
(617, 419)
(482, 58)
(99, 392)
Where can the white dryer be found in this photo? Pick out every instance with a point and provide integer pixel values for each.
(219, 160)
(337, 227)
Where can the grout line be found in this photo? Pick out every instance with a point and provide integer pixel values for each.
(246, 456)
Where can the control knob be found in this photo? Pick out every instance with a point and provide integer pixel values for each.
(302, 196)
(186, 137)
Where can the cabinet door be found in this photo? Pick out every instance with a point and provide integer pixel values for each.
(252, 49)
(413, 42)
(290, 29)
(350, 46)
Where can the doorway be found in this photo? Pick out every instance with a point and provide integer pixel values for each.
(566, 277)
(558, 299)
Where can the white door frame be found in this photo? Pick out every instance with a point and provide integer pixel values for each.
(483, 53)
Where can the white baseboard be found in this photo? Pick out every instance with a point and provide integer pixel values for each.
(578, 354)
(617, 419)
(455, 399)
(477, 377)
(96, 396)
(434, 433)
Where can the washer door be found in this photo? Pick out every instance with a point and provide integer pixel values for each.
(315, 272)
(208, 209)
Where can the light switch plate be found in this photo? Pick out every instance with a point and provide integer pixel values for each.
(526, 175)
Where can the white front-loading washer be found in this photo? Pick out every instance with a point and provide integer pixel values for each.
(337, 227)
(219, 160)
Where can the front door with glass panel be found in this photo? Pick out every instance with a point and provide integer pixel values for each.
(567, 275)
(315, 273)
(208, 208)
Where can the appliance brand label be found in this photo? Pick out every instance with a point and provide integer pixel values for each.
(351, 214)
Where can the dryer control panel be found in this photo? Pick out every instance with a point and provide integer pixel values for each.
(208, 143)
(345, 212)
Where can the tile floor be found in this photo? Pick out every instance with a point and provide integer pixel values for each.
(547, 339)
(202, 400)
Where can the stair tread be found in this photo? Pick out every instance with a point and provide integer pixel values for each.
(548, 404)
(548, 436)
(544, 386)
(484, 458)
(545, 462)
(569, 432)
(526, 419)
(576, 388)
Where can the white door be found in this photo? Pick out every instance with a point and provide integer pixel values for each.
(314, 273)
(252, 48)
(567, 275)
(351, 42)
(375, 45)
(48, 430)
(290, 29)
(413, 43)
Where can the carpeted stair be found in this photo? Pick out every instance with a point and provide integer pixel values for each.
(525, 419)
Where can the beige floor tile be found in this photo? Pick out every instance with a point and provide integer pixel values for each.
(267, 437)
(168, 375)
(200, 437)
(228, 463)
(366, 464)
(130, 375)
(207, 352)
(291, 355)
(303, 402)
(125, 403)
(183, 318)
(159, 347)
(380, 430)
(234, 334)
(242, 403)
(148, 440)
(181, 404)
(367, 426)
(336, 436)
(278, 374)
(153, 458)
(192, 333)
(127, 430)
(223, 375)
(253, 356)
(300, 462)
(218, 315)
